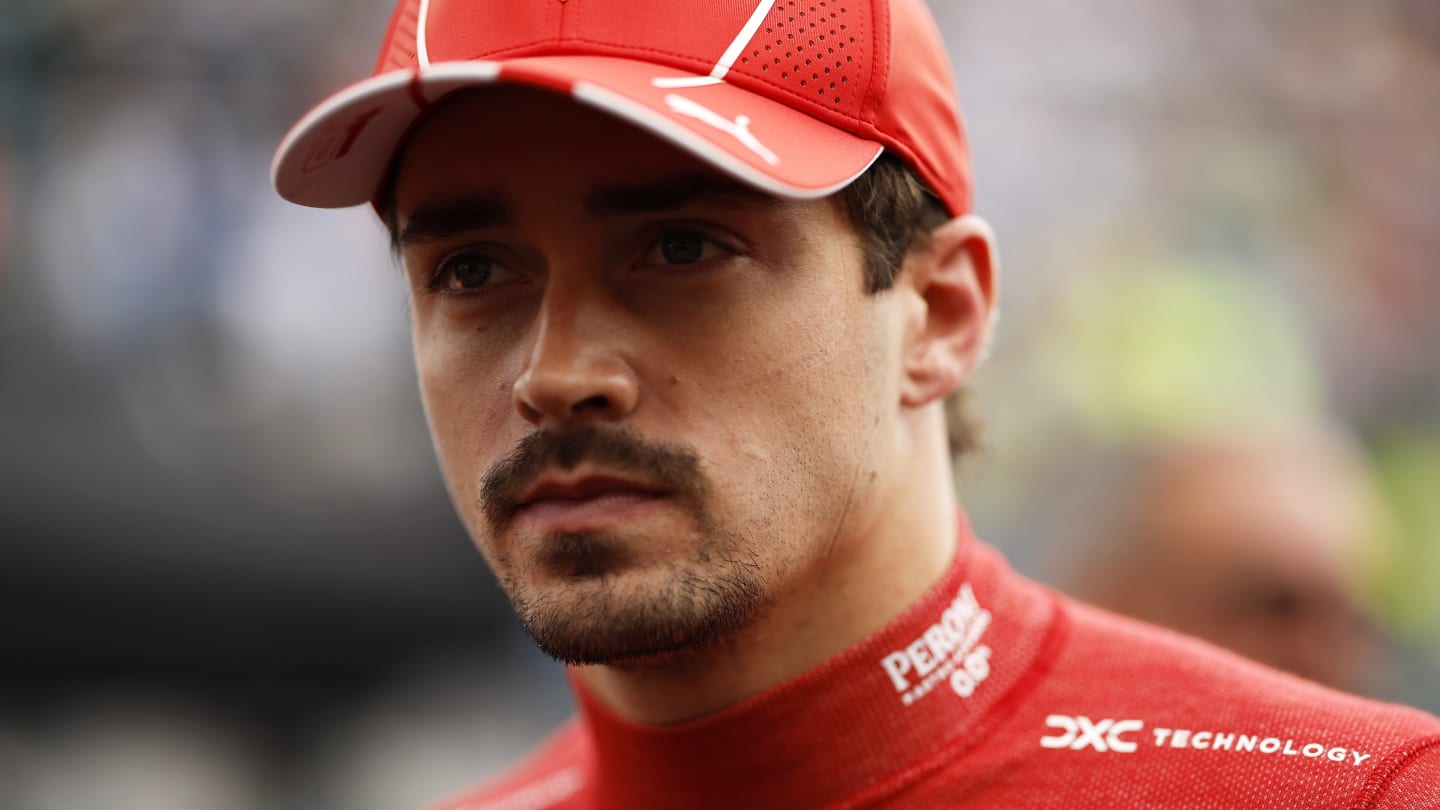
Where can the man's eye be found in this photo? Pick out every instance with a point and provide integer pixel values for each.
(464, 271)
(682, 247)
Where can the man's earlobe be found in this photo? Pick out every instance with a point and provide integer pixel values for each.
(955, 280)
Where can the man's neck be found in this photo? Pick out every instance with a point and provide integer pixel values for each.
(881, 563)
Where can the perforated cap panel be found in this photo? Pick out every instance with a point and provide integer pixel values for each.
(814, 50)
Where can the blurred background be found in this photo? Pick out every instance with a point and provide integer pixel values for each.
(229, 574)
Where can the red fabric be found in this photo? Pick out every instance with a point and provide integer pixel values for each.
(831, 60)
(813, 151)
(823, 85)
(1067, 706)
(818, 58)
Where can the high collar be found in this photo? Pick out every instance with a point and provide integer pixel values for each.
(860, 725)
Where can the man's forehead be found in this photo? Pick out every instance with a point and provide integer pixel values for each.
(446, 214)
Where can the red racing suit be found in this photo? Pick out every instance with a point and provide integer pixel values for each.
(994, 691)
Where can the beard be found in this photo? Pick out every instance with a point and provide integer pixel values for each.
(607, 606)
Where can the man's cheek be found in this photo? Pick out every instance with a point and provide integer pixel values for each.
(469, 435)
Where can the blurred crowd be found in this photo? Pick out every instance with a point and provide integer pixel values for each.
(229, 576)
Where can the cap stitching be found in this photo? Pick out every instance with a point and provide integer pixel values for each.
(689, 60)
(880, 17)
(576, 17)
(489, 55)
(559, 12)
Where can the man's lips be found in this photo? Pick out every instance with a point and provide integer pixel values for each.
(581, 487)
(584, 503)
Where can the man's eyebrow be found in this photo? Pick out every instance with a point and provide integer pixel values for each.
(670, 194)
(445, 217)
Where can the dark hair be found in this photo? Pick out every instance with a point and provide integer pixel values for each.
(893, 212)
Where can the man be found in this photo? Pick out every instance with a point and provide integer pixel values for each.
(690, 284)
(1262, 541)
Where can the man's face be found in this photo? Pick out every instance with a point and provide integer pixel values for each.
(661, 401)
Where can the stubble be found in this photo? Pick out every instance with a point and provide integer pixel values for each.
(602, 604)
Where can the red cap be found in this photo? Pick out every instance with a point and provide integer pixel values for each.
(796, 97)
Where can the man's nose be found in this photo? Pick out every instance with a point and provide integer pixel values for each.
(576, 371)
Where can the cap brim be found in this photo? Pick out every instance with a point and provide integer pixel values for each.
(339, 153)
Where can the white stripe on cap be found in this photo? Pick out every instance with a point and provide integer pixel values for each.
(727, 59)
(742, 39)
(422, 51)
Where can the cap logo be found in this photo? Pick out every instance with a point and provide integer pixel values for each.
(335, 143)
(739, 128)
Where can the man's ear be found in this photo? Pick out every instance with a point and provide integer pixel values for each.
(954, 281)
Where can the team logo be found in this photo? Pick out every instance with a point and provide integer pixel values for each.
(948, 651)
(1077, 732)
(738, 129)
(1080, 732)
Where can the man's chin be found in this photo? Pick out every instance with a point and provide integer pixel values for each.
(587, 557)
(626, 616)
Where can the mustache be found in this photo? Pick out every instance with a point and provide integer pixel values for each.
(673, 467)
